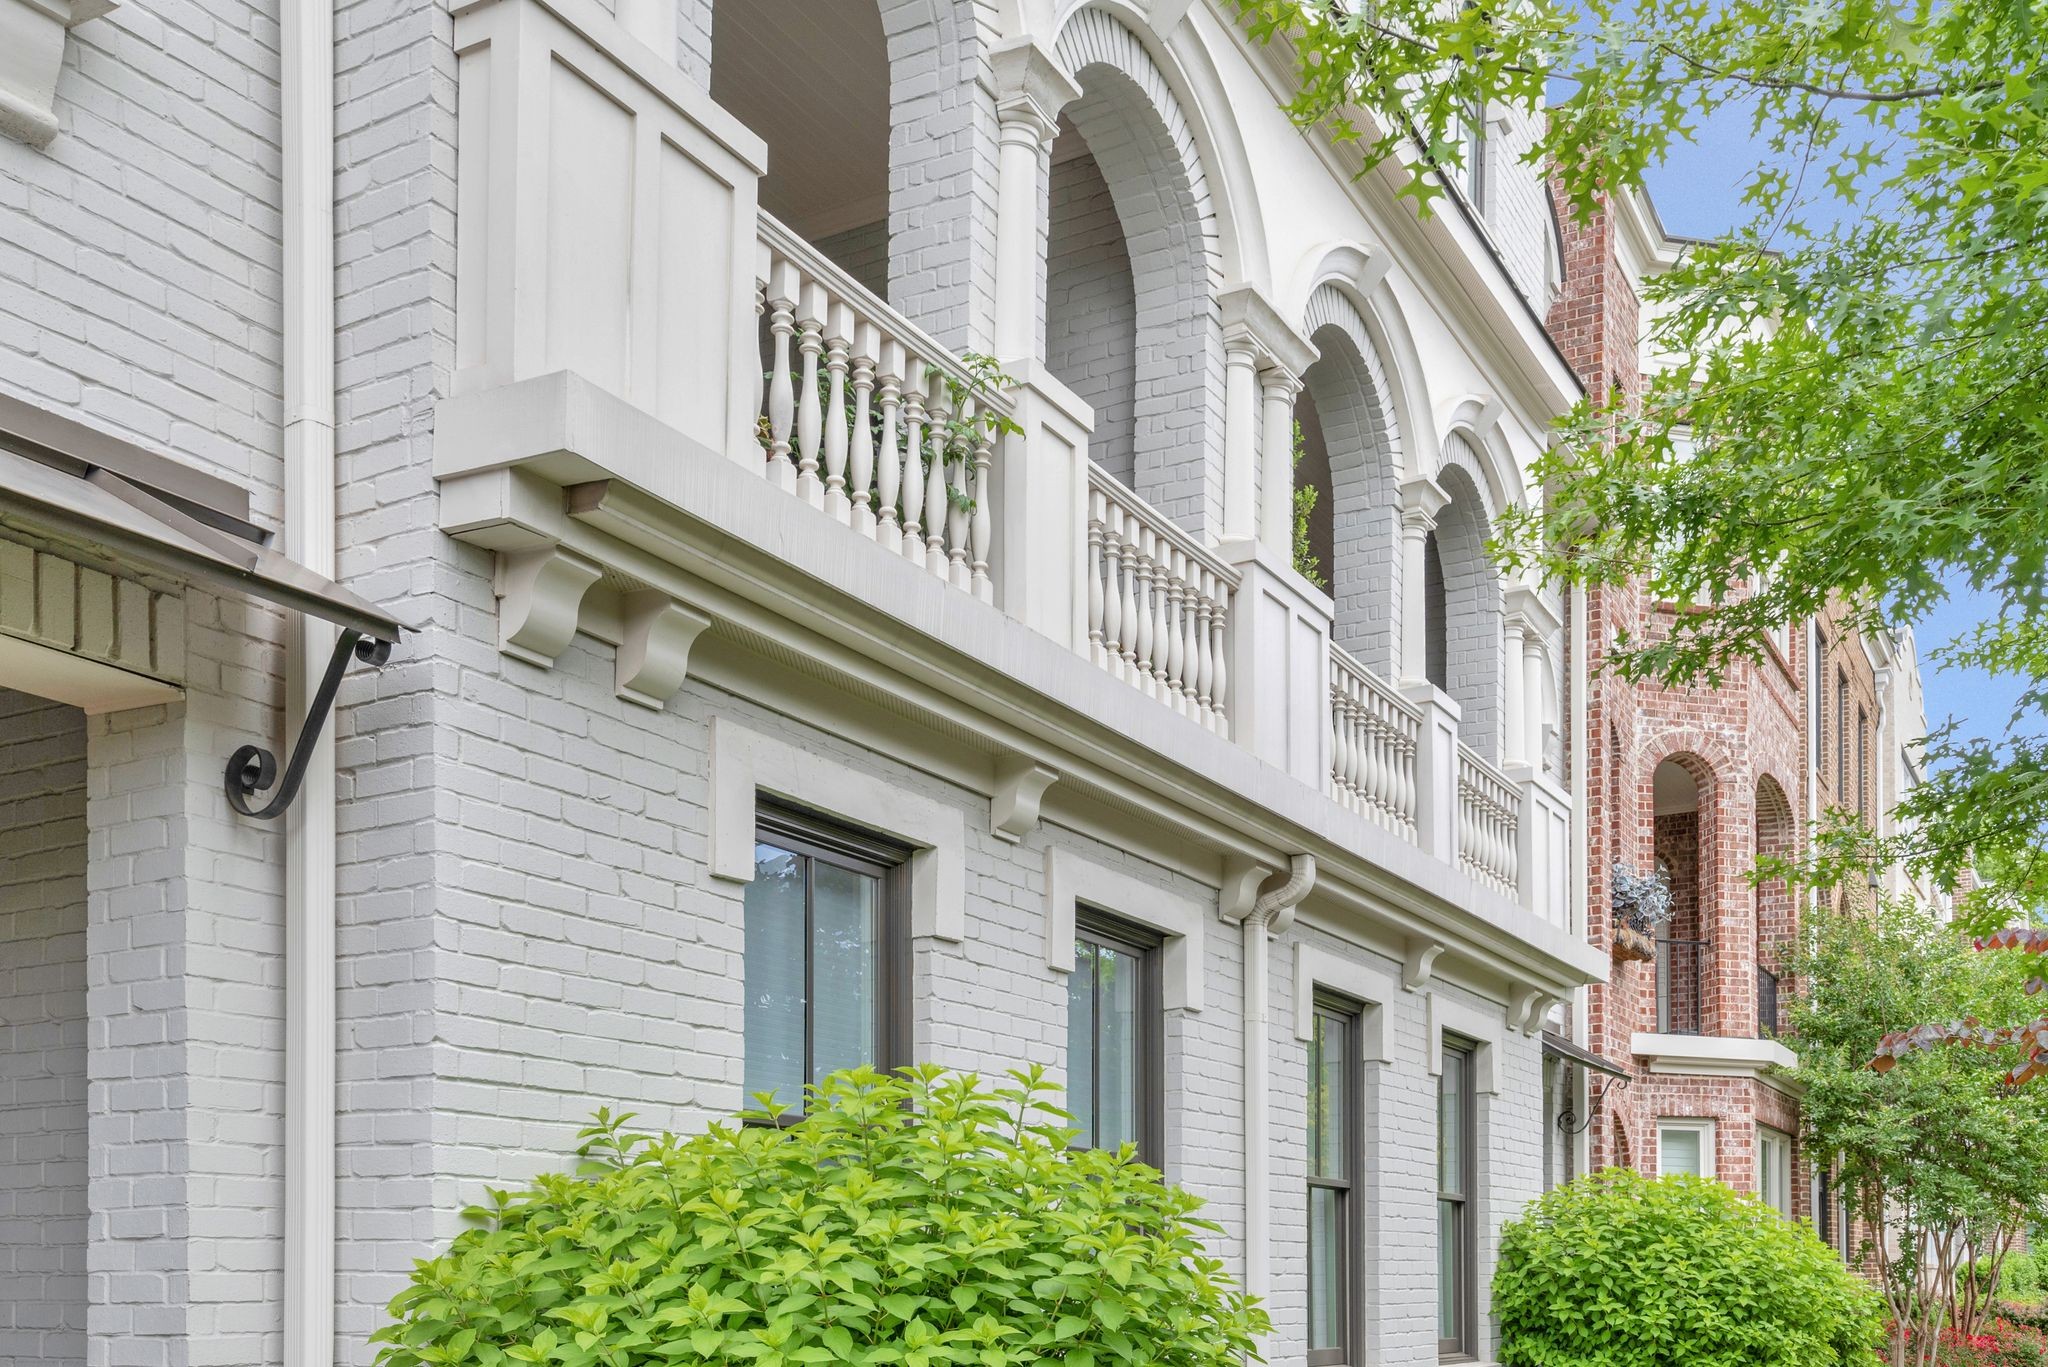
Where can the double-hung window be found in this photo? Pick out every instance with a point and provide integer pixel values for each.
(1334, 1225)
(1774, 1169)
(1456, 1161)
(1114, 1089)
(826, 956)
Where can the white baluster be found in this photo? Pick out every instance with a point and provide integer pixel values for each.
(1113, 614)
(1340, 765)
(861, 458)
(781, 399)
(982, 523)
(913, 462)
(1205, 657)
(838, 338)
(1127, 597)
(1219, 625)
(960, 509)
(1142, 593)
(1190, 650)
(809, 421)
(761, 379)
(1096, 573)
(889, 476)
(936, 513)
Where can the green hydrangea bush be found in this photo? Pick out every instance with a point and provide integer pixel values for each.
(919, 1219)
(1621, 1270)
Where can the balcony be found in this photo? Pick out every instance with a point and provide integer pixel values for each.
(673, 415)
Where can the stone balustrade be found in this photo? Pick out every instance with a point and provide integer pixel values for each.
(1373, 737)
(1158, 604)
(863, 415)
(1489, 818)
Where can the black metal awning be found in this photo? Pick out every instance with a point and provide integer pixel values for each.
(1557, 1046)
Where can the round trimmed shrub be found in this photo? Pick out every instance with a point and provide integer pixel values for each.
(1621, 1270)
(912, 1220)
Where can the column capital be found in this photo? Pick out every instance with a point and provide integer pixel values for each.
(1529, 609)
(1031, 88)
(1250, 319)
(1422, 498)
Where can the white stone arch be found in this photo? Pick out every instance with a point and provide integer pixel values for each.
(1353, 398)
(1472, 595)
(874, 117)
(1151, 160)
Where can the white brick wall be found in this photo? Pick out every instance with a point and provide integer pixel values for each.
(42, 1032)
(139, 255)
(1091, 325)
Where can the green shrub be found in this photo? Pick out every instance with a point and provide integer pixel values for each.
(1621, 1270)
(2019, 1277)
(915, 1220)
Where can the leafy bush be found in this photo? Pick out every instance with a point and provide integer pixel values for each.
(918, 1220)
(2019, 1277)
(1621, 1270)
(2001, 1344)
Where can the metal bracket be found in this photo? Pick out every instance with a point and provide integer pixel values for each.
(1568, 1119)
(252, 769)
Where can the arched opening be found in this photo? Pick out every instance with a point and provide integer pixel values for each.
(1472, 609)
(1315, 500)
(1350, 456)
(813, 81)
(1131, 317)
(1776, 909)
(1683, 947)
(1436, 621)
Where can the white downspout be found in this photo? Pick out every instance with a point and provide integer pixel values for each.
(307, 40)
(1582, 913)
(1270, 915)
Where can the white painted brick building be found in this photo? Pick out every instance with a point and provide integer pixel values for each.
(650, 598)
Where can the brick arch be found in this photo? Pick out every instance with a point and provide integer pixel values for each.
(1353, 399)
(1774, 833)
(1151, 161)
(1472, 598)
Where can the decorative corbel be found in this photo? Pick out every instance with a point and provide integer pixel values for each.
(1419, 964)
(1525, 1013)
(1242, 879)
(654, 651)
(540, 594)
(1020, 789)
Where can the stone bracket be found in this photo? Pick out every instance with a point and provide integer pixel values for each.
(1020, 789)
(540, 595)
(1420, 963)
(1242, 879)
(654, 650)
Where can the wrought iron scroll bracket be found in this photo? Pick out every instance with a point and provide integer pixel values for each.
(1569, 1120)
(252, 769)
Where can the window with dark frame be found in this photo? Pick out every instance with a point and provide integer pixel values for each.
(826, 955)
(1114, 1032)
(1335, 1157)
(1456, 1160)
(1841, 738)
(1862, 760)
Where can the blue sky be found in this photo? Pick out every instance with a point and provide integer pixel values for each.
(1698, 194)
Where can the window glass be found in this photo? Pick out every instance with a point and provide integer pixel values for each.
(1332, 1161)
(1680, 1150)
(1774, 1169)
(1454, 1159)
(822, 943)
(1112, 1005)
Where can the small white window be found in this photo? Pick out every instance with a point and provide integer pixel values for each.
(1685, 1146)
(1774, 1169)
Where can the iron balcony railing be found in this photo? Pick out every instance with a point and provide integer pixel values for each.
(1681, 979)
(1766, 1003)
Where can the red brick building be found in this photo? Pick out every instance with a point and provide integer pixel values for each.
(1693, 782)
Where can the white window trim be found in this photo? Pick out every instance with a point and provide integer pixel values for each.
(1072, 878)
(1370, 987)
(745, 764)
(1479, 1028)
(1784, 1141)
(1702, 1126)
